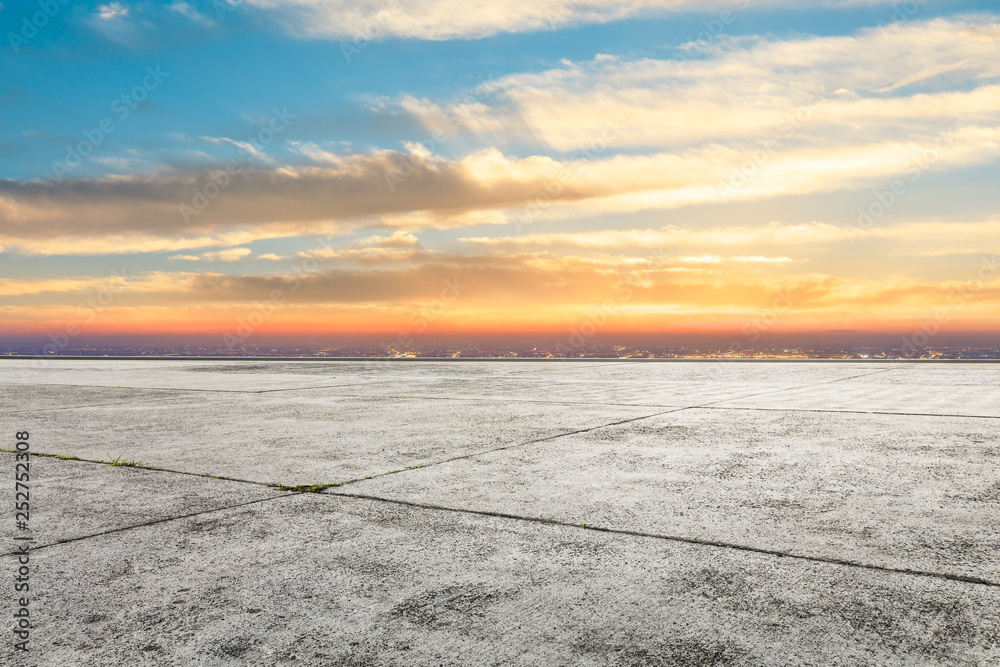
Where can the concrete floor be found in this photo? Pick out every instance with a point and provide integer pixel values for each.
(497, 513)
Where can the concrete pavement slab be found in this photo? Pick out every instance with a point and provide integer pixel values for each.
(220, 376)
(71, 499)
(316, 580)
(663, 384)
(376, 572)
(31, 398)
(901, 492)
(948, 389)
(303, 437)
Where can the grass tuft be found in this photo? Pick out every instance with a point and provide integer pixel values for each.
(118, 461)
(306, 488)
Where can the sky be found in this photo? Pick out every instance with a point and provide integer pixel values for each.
(241, 168)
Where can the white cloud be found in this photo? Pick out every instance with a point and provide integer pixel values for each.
(757, 259)
(455, 19)
(398, 239)
(228, 255)
(400, 246)
(675, 237)
(189, 12)
(701, 126)
(135, 214)
(111, 11)
(750, 89)
(368, 255)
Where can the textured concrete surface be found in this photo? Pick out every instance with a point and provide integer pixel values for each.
(302, 437)
(499, 513)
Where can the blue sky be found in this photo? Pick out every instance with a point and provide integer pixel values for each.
(487, 110)
(228, 74)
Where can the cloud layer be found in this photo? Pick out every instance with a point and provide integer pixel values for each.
(672, 188)
(366, 20)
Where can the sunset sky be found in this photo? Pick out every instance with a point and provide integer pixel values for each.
(398, 167)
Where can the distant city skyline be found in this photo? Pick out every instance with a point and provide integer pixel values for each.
(733, 172)
(506, 346)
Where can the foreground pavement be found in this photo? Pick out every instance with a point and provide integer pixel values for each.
(497, 513)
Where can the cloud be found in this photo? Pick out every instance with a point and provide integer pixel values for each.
(228, 255)
(369, 255)
(398, 247)
(111, 11)
(452, 19)
(190, 13)
(773, 234)
(715, 259)
(271, 256)
(757, 259)
(398, 239)
(143, 25)
(115, 22)
(958, 241)
(525, 290)
(710, 148)
(838, 88)
(142, 213)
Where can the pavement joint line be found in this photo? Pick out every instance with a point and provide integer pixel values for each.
(480, 453)
(509, 446)
(154, 522)
(209, 391)
(606, 363)
(204, 475)
(101, 386)
(355, 384)
(539, 520)
(805, 386)
(331, 386)
(968, 579)
(79, 407)
(510, 400)
(851, 412)
(422, 398)
(594, 428)
(359, 479)
(745, 548)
